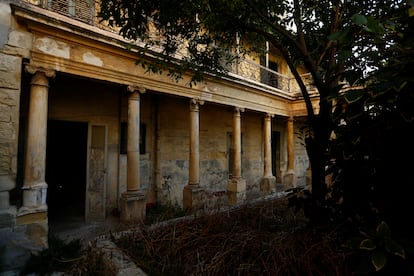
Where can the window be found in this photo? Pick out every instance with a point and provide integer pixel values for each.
(269, 72)
(82, 10)
(272, 79)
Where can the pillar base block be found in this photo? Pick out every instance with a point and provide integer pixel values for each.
(268, 185)
(35, 195)
(133, 207)
(236, 190)
(193, 197)
(289, 179)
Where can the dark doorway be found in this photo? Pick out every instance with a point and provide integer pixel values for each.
(66, 169)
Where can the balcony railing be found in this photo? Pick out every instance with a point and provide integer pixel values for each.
(242, 69)
(254, 72)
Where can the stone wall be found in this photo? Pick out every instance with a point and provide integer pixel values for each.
(12, 50)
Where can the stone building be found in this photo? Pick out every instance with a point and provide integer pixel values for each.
(85, 131)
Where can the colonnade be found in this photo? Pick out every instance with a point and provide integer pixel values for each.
(133, 200)
(236, 185)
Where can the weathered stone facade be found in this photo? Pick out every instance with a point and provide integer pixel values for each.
(71, 134)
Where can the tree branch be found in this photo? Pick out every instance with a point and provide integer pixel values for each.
(293, 69)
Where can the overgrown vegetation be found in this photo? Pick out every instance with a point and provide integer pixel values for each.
(266, 238)
(261, 238)
(159, 212)
(74, 258)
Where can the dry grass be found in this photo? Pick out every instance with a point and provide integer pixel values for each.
(265, 238)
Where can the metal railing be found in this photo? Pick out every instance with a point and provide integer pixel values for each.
(242, 69)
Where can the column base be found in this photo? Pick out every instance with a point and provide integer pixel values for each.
(289, 180)
(193, 198)
(236, 190)
(268, 185)
(133, 207)
(35, 195)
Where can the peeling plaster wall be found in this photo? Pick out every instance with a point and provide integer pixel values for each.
(215, 123)
(174, 148)
(252, 151)
(301, 157)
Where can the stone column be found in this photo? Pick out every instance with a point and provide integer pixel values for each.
(289, 176)
(268, 184)
(133, 200)
(33, 214)
(193, 194)
(236, 186)
(35, 187)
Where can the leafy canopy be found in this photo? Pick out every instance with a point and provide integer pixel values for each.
(327, 36)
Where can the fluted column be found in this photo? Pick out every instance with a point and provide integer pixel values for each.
(236, 186)
(133, 202)
(268, 183)
(193, 194)
(35, 187)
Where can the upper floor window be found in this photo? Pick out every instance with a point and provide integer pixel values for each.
(269, 72)
(269, 68)
(83, 10)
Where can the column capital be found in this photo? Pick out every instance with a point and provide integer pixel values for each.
(196, 101)
(290, 118)
(269, 115)
(33, 69)
(136, 88)
(238, 109)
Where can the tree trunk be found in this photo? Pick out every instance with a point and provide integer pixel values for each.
(316, 147)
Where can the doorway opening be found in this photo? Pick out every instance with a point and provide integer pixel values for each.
(66, 156)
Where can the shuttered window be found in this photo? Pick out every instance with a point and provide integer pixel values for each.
(82, 10)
